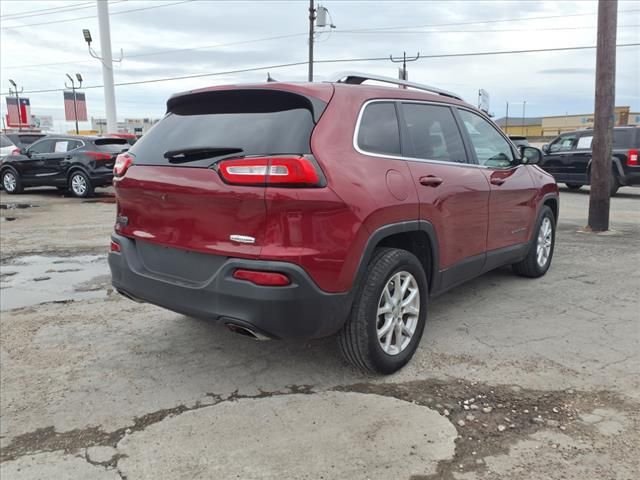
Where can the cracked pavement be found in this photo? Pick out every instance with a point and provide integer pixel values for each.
(514, 379)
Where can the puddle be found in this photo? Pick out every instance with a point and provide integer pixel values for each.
(7, 219)
(35, 279)
(101, 200)
(13, 206)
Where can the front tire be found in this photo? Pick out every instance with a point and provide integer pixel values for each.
(388, 314)
(80, 185)
(538, 259)
(11, 182)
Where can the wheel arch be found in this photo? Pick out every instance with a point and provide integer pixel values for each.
(418, 237)
(74, 168)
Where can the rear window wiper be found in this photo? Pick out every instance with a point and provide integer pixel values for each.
(191, 154)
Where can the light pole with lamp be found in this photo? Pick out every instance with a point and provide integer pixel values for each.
(73, 89)
(17, 93)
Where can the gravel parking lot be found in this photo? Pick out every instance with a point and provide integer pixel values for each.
(515, 378)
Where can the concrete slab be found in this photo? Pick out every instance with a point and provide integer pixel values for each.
(326, 435)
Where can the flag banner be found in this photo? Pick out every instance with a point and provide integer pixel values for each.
(80, 107)
(18, 112)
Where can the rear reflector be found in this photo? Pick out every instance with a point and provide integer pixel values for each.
(99, 155)
(293, 171)
(123, 162)
(115, 246)
(269, 279)
(632, 158)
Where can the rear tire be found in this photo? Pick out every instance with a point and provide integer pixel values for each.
(385, 325)
(538, 259)
(11, 182)
(615, 185)
(80, 185)
(574, 186)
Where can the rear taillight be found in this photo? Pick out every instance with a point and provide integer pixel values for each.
(259, 277)
(291, 171)
(115, 246)
(123, 162)
(632, 158)
(98, 156)
(15, 151)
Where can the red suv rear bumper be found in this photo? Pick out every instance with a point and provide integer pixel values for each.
(300, 310)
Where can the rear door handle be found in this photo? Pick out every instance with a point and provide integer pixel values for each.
(497, 181)
(430, 181)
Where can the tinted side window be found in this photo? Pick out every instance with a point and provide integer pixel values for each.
(563, 143)
(44, 146)
(433, 133)
(491, 148)
(379, 132)
(626, 138)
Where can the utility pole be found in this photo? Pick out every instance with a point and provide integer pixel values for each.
(15, 90)
(107, 64)
(506, 121)
(312, 19)
(599, 196)
(524, 106)
(73, 89)
(402, 73)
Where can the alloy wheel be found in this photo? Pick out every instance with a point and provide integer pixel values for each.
(545, 239)
(9, 182)
(79, 185)
(398, 313)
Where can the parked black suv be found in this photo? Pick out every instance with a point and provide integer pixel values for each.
(568, 158)
(68, 162)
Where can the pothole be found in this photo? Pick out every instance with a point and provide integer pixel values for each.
(34, 279)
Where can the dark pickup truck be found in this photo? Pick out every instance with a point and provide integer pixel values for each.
(568, 158)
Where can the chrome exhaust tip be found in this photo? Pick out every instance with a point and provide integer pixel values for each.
(246, 332)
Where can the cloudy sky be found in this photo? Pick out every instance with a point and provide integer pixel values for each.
(40, 41)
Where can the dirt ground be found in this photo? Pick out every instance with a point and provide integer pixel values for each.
(514, 379)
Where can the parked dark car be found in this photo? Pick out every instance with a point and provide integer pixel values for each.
(12, 142)
(76, 163)
(568, 158)
(519, 140)
(302, 210)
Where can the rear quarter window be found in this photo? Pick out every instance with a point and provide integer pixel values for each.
(378, 131)
(626, 138)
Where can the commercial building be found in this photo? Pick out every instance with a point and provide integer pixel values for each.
(137, 126)
(528, 126)
(554, 125)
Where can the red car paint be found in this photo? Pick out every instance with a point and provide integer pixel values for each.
(324, 230)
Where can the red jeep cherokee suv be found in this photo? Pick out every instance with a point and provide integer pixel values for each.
(288, 210)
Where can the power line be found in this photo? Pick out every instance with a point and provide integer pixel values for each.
(160, 52)
(395, 32)
(524, 19)
(29, 12)
(219, 45)
(56, 10)
(94, 16)
(340, 60)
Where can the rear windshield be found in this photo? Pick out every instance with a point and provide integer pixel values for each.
(111, 145)
(29, 139)
(259, 123)
(626, 138)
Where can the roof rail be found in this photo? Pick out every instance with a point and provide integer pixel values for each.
(357, 78)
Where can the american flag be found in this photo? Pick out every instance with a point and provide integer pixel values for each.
(18, 112)
(81, 107)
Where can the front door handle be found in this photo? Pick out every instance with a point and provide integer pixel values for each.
(497, 181)
(430, 181)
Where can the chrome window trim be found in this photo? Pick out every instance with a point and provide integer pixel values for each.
(400, 157)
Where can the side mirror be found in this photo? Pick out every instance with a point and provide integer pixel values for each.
(545, 148)
(530, 155)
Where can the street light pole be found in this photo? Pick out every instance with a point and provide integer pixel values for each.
(524, 106)
(15, 90)
(312, 18)
(73, 89)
